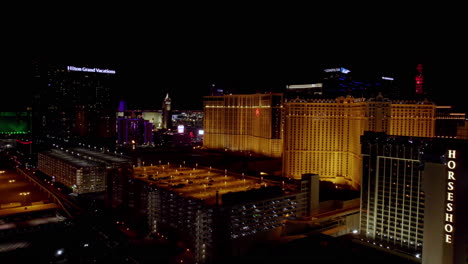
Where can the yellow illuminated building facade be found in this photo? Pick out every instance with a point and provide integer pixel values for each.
(414, 119)
(244, 122)
(323, 136)
(320, 136)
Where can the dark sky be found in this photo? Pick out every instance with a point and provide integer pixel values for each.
(183, 57)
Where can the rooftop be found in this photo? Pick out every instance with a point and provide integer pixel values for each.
(73, 159)
(102, 156)
(200, 182)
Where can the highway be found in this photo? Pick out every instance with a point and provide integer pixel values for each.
(71, 208)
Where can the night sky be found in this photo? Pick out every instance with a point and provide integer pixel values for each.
(185, 58)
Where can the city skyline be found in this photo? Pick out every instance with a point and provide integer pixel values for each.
(237, 47)
(144, 84)
(247, 177)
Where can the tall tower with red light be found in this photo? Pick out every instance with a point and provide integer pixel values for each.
(419, 79)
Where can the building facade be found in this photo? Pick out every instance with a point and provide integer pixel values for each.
(320, 136)
(413, 197)
(166, 113)
(80, 169)
(323, 136)
(448, 122)
(134, 131)
(218, 213)
(73, 101)
(392, 198)
(446, 189)
(244, 122)
(80, 175)
(15, 123)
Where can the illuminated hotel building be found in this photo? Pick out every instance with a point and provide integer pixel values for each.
(446, 188)
(323, 136)
(134, 131)
(412, 118)
(73, 101)
(244, 122)
(448, 122)
(392, 199)
(462, 131)
(413, 197)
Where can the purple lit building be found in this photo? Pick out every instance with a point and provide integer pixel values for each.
(134, 131)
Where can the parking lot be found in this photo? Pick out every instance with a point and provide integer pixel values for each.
(16, 191)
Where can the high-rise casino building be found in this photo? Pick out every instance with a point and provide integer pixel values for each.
(323, 136)
(392, 196)
(320, 136)
(244, 122)
(73, 100)
(413, 197)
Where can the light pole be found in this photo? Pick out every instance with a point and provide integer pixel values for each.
(25, 194)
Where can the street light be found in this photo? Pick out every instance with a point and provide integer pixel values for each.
(25, 194)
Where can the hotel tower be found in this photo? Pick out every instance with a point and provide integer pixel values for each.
(323, 136)
(413, 197)
(244, 122)
(320, 136)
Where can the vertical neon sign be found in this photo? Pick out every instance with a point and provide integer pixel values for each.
(449, 202)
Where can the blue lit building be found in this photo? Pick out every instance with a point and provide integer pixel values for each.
(339, 81)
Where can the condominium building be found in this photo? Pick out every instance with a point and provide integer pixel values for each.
(244, 122)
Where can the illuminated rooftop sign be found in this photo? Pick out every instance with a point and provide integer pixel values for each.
(180, 129)
(344, 70)
(304, 86)
(85, 69)
(341, 69)
(387, 78)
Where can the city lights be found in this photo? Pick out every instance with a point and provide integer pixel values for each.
(316, 158)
